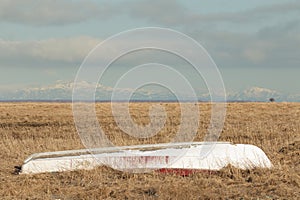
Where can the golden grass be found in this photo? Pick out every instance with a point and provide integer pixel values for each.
(28, 128)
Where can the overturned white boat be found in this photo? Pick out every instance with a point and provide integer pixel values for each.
(143, 158)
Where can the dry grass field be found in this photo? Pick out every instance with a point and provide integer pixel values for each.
(28, 128)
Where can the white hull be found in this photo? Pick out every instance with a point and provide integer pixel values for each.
(194, 156)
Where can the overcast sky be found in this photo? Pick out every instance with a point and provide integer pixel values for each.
(254, 43)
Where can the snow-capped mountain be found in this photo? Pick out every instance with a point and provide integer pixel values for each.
(62, 91)
(257, 94)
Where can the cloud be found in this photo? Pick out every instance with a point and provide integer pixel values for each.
(72, 51)
(167, 12)
(254, 15)
(275, 46)
(272, 45)
(53, 51)
(49, 12)
(174, 13)
(254, 55)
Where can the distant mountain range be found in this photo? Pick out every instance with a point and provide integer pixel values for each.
(258, 94)
(62, 91)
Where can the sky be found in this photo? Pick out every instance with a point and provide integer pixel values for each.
(253, 43)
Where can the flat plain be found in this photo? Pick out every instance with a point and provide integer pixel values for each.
(28, 128)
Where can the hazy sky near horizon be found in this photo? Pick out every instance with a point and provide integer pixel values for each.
(254, 43)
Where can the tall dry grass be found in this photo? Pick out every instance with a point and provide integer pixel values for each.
(28, 128)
